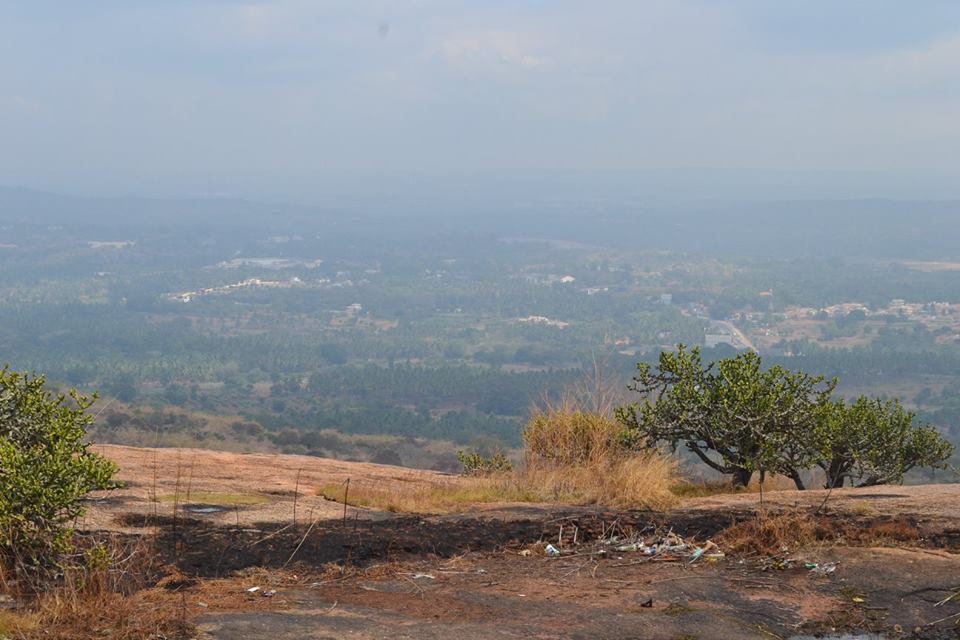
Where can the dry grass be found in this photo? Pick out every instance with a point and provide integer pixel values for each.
(454, 496)
(570, 456)
(575, 452)
(687, 488)
(641, 481)
(209, 497)
(107, 590)
(566, 436)
(771, 534)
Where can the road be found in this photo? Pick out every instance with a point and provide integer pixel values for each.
(739, 337)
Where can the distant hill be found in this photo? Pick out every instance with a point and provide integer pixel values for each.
(791, 229)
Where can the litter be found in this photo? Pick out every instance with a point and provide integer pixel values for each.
(253, 589)
(552, 551)
(701, 552)
(269, 594)
(821, 569)
(664, 548)
(417, 576)
(525, 552)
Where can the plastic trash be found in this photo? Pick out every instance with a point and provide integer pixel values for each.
(552, 551)
(821, 569)
(269, 594)
(253, 589)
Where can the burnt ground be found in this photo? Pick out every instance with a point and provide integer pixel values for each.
(486, 577)
(897, 550)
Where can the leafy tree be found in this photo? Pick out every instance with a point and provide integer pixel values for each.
(874, 442)
(45, 467)
(735, 416)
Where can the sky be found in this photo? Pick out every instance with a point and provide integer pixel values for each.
(167, 95)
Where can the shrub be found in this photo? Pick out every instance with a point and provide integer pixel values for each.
(567, 436)
(740, 418)
(45, 467)
(585, 456)
(475, 464)
(874, 442)
(734, 415)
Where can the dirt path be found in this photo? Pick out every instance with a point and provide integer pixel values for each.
(503, 595)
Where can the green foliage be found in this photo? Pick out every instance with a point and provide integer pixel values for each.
(45, 467)
(737, 417)
(875, 442)
(475, 464)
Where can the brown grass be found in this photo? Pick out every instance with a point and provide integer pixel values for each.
(568, 436)
(642, 481)
(639, 481)
(688, 488)
(453, 495)
(770, 534)
(108, 589)
(571, 456)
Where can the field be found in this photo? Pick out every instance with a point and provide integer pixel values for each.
(876, 559)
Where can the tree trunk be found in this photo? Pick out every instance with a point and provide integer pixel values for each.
(741, 477)
(836, 474)
(797, 480)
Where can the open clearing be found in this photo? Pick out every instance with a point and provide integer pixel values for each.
(889, 559)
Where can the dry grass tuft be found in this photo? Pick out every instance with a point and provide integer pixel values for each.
(571, 456)
(638, 481)
(769, 534)
(772, 534)
(567, 436)
(576, 451)
(107, 590)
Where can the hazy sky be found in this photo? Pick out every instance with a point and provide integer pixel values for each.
(131, 92)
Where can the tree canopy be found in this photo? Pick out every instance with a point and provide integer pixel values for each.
(740, 418)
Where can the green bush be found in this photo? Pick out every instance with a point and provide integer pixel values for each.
(45, 467)
(740, 418)
(475, 464)
(872, 442)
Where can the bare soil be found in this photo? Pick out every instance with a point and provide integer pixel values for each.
(484, 575)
